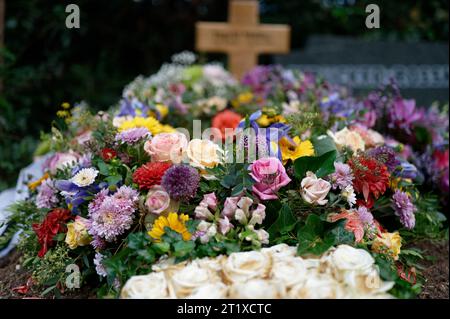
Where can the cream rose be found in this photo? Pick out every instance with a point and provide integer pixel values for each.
(258, 289)
(289, 271)
(151, 286)
(314, 190)
(203, 153)
(77, 234)
(185, 280)
(280, 252)
(317, 286)
(166, 147)
(240, 267)
(216, 290)
(347, 138)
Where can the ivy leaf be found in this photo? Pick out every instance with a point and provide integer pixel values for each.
(312, 238)
(284, 223)
(341, 235)
(320, 165)
(323, 144)
(161, 248)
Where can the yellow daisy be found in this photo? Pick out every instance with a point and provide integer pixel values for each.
(291, 151)
(150, 123)
(173, 221)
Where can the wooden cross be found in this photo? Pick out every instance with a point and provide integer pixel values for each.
(242, 38)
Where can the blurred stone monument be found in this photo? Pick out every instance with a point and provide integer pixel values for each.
(421, 68)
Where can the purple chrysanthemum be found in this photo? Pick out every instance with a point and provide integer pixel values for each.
(112, 215)
(386, 155)
(133, 135)
(181, 182)
(365, 215)
(97, 201)
(342, 177)
(46, 197)
(404, 209)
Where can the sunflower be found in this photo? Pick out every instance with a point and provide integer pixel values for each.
(174, 222)
(291, 151)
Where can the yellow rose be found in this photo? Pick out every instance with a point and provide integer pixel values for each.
(203, 154)
(347, 138)
(388, 243)
(77, 234)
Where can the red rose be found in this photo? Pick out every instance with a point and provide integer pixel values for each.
(108, 154)
(53, 224)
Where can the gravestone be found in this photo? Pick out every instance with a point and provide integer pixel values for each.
(420, 69)
(243, 38)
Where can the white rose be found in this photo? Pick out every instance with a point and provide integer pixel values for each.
(240, 267)
(314, 190)
(151, 286)
(184, 280)
(258, 289)
(347, 138)
(366, 285)
(216, 290)
(290, 271)
(317, 286)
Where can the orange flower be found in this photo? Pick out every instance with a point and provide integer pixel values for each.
(226, 119)
(353, 225)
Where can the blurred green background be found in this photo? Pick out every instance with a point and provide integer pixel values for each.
(45, 64)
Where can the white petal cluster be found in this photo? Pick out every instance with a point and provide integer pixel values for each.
(272, 273)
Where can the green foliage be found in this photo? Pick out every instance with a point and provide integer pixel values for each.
(281, 230)
(317, 236)
(320, 165)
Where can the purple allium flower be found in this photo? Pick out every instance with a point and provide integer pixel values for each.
(112, 216)
(404, 209)
(181, 182)
(46, 197)
(133, 135)
(365, 215)
(342, 177)
(403, 115)
(386, 155)
(99, 268)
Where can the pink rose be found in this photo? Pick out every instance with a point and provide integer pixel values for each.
(60, 160)
(269, 175)
(314, 190)
(166, 147)
(158, 200)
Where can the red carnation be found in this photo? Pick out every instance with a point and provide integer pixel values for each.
(53, 224)
(371, 178)
(150, 174)
(108, 154)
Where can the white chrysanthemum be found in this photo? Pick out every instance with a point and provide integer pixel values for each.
(349, 194)
(85, 177)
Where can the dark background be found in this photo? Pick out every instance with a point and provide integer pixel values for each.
(46, 64)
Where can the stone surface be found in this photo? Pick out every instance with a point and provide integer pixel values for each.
(420, 68)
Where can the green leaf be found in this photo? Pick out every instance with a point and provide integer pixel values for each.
(323, 144)
(182, 248)
(161, 248)
(113, 179)
(103, 168)
(320, 165)
(341, 235)
(312, 238)
(284, 223)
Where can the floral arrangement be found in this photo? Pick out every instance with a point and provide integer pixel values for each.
(292, 172)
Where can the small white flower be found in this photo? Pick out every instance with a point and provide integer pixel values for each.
(85, 177)
(349, 194)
